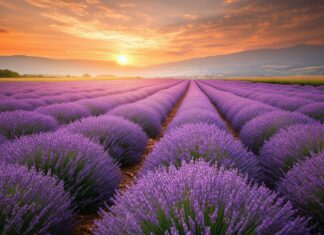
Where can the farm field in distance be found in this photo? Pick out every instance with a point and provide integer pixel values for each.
(152, 156)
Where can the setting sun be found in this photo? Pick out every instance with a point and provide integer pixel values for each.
(122, 59)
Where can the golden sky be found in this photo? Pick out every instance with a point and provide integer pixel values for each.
(155, 31)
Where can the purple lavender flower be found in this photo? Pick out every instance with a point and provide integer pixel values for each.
(89, 174)
(196, 116)
(249, 112)
(8, 104)
(17, 123)
(199, 199)
(32, 203)
(196, 108)
(100, 105)
(202, 141)
(144, 116)
(261, 128)
(314, 110)
(291, 103)
(279, 154)
(304, 187)
(65, 113)
(123, 140)
(2, 139)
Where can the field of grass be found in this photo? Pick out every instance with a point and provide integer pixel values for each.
(301, 80)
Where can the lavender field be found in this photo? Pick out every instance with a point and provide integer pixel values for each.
(161, 156)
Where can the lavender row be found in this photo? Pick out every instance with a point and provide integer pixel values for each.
(198, 198)
(196, 108)
(30, 102)
(125, 137)
(200, 137)
(151, 112)
(277, 100)
(18, 123)
(313, 106)
(305, 92)
(41, 89)
(256, 122)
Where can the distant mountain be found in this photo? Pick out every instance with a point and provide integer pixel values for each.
(299, 59)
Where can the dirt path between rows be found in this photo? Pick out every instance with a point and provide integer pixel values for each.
(130, 172)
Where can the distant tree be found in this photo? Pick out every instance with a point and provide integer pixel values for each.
(86, 75)
(6, 73)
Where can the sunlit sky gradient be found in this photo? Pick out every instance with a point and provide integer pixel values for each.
(155, 31)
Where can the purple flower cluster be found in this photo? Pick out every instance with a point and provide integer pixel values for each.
(144, 116)
(147, 112)
(196, 108)
(11, 105)
(17, 123)
(101, 105)
(263, 127)
(284, 97)
(304, 187)
(164, 101)
(89, 174)
(237, 110)
(2, 139)
(123, 140)
(249, 112)
(64, 113)
(279, 154)
(199, 199)
(314, 110)
(202, 141)
(32, 203)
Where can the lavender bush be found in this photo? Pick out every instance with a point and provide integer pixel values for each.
(32, 203)
(314, 110)
(279, 154)
(202, 141)
(8, 104)
(304, 187)
(199, 199)
(17, 123)
(196, 116)
(259, 129)
(65, 113)
(123, 140)
(89, 174)
(249, 112)
(2, 139)
(144, 116)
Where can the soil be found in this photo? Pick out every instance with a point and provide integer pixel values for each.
(86, 221)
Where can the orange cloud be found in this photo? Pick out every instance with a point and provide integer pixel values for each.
(155, 31)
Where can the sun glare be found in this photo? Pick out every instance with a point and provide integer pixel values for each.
(122, 59)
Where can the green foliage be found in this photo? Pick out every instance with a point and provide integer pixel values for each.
(6, 73)
(165, 222)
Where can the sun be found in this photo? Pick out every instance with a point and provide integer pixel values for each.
(122, 59)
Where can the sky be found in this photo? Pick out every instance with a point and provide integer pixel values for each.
(150, 32)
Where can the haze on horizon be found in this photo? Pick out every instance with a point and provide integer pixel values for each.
(154, 32)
